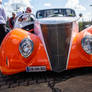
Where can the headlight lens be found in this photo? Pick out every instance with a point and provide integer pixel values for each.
(26, 47)
(87, 44)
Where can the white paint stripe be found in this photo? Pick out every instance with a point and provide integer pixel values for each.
(42, 38)
(70, 46)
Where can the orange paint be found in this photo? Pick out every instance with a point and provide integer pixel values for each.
(78, 57)
(11, 60)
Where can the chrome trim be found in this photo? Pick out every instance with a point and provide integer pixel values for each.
(31, 49)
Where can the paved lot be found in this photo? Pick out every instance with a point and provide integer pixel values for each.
(77, 82)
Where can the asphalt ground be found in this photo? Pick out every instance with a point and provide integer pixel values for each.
(78, 80)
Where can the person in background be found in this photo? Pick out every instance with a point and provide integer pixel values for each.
(2, 22)
(12, 20)
(28, 10)
(7, 22)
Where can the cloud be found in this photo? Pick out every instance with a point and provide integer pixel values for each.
(74, 4)
(16, 5)
(87, 16)
(47, 4)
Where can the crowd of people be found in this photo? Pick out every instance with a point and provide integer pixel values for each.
(9, 21)
(12, 19)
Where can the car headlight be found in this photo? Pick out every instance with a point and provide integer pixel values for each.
(87, 44)
(26, 47)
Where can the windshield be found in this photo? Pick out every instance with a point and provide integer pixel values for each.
(55, 12)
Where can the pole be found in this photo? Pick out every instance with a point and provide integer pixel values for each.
(91, 14)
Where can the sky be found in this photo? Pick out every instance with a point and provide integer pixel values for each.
(80, 6)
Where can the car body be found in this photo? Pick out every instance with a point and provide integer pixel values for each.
(49, 42)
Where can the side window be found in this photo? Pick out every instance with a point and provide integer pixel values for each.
(68, 12)
(39, 15)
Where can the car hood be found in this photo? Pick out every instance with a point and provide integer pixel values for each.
(56, 20)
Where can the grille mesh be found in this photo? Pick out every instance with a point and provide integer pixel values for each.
(57, 39)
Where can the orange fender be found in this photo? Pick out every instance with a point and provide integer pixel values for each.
(78, 57)
(11, 60)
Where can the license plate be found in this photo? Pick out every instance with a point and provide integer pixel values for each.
(35, 68)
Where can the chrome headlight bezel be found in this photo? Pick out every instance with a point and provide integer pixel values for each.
(26, 47)
(87, 44)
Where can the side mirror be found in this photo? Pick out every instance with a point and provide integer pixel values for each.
(80, 15)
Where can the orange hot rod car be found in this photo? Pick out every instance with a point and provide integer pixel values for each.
(49, 42)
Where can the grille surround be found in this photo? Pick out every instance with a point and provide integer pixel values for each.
(57, 38)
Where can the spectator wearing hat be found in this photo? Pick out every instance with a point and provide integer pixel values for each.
(28, 10)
